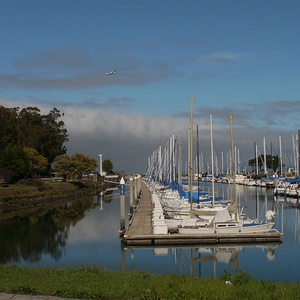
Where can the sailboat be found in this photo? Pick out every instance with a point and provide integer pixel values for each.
(229, 221)
(184, 213)
(204, 211)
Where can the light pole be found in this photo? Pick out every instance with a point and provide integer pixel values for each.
(100, 164)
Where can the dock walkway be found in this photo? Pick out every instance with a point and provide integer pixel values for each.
(141, 223)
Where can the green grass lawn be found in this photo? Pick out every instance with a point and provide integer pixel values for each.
(95, 283)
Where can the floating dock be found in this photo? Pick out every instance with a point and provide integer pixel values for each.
(140, 230)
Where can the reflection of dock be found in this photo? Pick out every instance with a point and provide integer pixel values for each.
(140, 230)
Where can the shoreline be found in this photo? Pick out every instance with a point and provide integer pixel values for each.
(18, 198)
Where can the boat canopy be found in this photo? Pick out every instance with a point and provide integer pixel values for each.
(292, 180)
(222, 216)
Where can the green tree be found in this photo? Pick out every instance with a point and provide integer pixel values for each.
(82, 165)
(29, 129)
(107, 165)
(252, 162)
(272, 162)
(8, 126)
(15, 160)
(38, 163)
(52, 136)
(74, 166)
(62, 165)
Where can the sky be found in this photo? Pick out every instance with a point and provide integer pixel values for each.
(235, 57)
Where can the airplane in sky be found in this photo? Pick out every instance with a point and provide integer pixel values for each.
(111, 72)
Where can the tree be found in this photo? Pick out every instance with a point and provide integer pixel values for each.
(53, 136)
(252, 162)
(29, 129)
(74, 166)
(62, 165)
(82, 164)
(8, 125)
(272, 162)
(107, 165)
(37, 163)
(15, 160)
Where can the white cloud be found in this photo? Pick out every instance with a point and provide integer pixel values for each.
(128, 139)
(104, 122)
(221, 57)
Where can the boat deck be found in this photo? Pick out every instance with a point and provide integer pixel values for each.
(140, 231)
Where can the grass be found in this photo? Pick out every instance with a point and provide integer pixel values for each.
(95, 283)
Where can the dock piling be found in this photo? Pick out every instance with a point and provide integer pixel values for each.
(131, 195)
(122, 205)
(135, 189)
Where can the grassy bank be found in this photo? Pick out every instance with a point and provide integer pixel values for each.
(39, 188)
(95, 283)
(31, 194)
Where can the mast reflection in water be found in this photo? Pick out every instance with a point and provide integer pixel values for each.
(85, 232)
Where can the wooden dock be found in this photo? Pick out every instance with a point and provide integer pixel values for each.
(140, 231)
(141, 224)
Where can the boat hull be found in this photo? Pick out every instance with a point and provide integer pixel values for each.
(228, 228)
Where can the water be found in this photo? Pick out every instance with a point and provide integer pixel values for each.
(84, 232)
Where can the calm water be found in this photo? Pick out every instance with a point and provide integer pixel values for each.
(84, 232)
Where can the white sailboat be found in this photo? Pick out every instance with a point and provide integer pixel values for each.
(180, 212)
(228, 221)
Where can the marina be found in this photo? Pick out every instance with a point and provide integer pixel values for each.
(85, 232)
(189, 219)
(108, 165)
(140, 230)
(205, 255)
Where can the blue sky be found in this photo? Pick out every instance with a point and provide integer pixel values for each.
(235, 57)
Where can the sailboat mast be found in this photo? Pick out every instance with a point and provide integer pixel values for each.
(280, 153)
(233, 163)
(256, 157)
(179, 161)
(298, 153)
(198, 163)
(191, 153)
(212, 161)
(265, 158)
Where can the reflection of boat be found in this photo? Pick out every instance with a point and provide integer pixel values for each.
(228, 254)
(279, 199)
(291, 190)
(207, 253)
(279, 189)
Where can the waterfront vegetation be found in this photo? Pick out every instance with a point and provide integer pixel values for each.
(37, 188)
(29, 195)
(91, 282)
